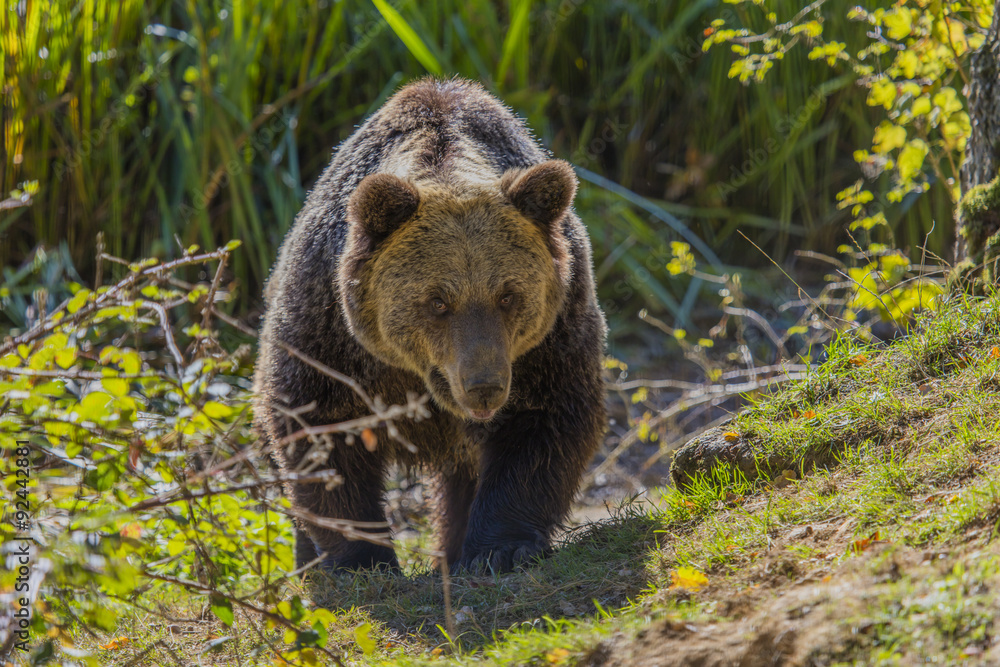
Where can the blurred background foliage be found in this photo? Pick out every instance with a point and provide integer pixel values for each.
(170, 123)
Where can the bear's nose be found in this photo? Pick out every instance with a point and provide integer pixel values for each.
(485, 391)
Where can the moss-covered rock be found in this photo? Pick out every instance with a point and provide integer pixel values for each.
(978, 220)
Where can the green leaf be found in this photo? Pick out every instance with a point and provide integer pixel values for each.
(362, 635)
(222, 608)
(73, 449)
(217, 410)
(115, 386)
(94, 407)
(103, 477)
(409, 37)
(292, 609)
(321, 633)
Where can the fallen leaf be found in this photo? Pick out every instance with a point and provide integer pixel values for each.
(687, 577)
(116, 643)
(862, 545)
(368, 437)
(808, 414)
(556, 656)
(995, 352)
(731, 436)
(859, 360)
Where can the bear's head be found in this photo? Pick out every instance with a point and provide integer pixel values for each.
(456, 286)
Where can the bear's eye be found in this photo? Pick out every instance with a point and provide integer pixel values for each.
(439, 306)
(507, 299)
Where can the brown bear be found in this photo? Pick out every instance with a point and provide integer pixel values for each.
(439, 253)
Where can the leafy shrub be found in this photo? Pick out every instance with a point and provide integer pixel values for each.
(140, 480)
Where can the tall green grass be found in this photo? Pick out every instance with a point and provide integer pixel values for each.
(170, 123)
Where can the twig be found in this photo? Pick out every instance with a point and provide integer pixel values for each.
(760, 322)
(73, 374)
(168, 334)
(176, 495)
(693, 386)
(414, 407)
(352, 530)
(100, 300)
(686, 402)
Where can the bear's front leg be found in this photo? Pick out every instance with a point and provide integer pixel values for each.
(358, 498)
(530, 469)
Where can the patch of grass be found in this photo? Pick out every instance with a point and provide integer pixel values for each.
(597, 567)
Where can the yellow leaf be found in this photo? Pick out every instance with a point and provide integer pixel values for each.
(556, 656)
(888, 137)
(362, 635)
(731, 436)
(688, 578)
(911, 159)
(217, 410)
(66, 357)
(116, 643)
(882, 93)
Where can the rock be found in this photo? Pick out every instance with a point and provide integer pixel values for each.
(739, 452)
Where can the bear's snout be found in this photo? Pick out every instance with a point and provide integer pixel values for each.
(486, 392)
(485, 389)
(480, 379)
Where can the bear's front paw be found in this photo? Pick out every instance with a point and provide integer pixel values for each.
(502, 557)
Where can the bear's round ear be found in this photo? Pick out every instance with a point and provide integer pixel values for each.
(381, 203)
(543, 192)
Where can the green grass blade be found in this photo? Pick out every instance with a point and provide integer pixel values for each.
(516, 40)
(409, 37)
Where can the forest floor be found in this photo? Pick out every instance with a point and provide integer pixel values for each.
(887, 554)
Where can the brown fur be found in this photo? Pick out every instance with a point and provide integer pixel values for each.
(439, 253)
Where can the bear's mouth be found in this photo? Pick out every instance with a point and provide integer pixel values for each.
(441, 391)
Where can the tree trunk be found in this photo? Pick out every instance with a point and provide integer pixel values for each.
(977, 217)
(982, 157)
